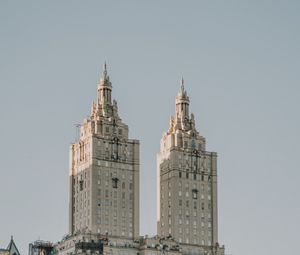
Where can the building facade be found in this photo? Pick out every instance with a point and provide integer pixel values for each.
(104, 187)
(187, 181)
(83, 244)
(104, 172)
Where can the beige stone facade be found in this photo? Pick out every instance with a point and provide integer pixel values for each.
(104, 187)
(104, 172)
(97, 244)
(187, 181)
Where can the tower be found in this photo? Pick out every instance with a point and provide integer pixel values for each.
(104, 172)
(187, 179)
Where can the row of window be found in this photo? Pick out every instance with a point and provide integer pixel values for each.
(187, 194)
(196, 177)
(115, 232)
(114, 194)
(195, 241)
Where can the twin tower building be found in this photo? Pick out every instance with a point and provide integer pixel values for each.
(105, 181)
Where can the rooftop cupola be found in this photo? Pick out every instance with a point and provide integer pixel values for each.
(104, 88)
(182, 103)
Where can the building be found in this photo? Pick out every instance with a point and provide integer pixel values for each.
(187, 179)
(104, 172)
(82, 244)
(104, 187)
(11, 248)
(41, 247)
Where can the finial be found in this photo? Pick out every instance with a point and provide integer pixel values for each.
(182, 85)
(104, 70)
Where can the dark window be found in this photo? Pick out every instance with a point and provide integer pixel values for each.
(115, 183)
(195, 193)
(179, 174)
(81, 184)
(187, 175)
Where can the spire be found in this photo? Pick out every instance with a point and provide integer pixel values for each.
(182, 85)
(104, 73)
(104, 88)
(182, 103)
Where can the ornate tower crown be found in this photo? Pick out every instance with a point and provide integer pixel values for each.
(182, 107)
(104, 88)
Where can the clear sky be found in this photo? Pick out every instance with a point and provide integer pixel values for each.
(240, 61)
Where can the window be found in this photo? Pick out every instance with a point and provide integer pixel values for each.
(180, 202)
(81, 184)
(115, 182)
(179, 174)
(195, 193)
(185, 144)
(195, 177)
(187, 175)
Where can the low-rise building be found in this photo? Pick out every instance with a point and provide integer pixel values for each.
(11, 248)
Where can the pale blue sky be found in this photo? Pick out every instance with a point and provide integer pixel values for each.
(240, 61)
